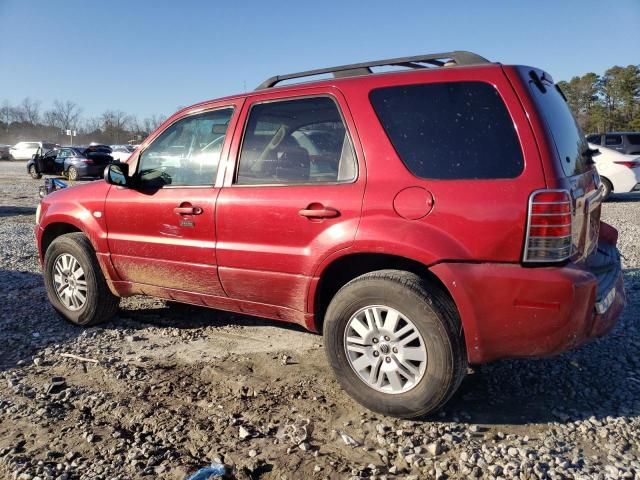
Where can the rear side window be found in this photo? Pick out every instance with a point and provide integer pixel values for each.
(457, 130)
(634, 139)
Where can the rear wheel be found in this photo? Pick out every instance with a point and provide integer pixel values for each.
(34, 172)
(608, 188)
(72, 173)
(75, 285)
(395, 343)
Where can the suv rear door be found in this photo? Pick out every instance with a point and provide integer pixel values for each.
(572, 158)
(293, 198)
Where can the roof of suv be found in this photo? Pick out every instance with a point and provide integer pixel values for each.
(346, 73)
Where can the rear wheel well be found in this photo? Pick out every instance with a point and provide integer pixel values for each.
(345, 269)
(53, 231)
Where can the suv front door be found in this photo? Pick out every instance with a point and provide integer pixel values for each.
(294, 197)
(161, 233)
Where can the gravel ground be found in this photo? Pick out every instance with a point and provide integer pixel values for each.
(175, 388)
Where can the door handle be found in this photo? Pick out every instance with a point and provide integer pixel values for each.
(323, 212)
(187, 210)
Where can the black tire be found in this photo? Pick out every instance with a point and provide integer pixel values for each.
(608, 188)
(100, 304)
(34, 172)
(435, 317)
(72, 173)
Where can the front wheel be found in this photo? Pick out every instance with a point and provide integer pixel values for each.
(33, 171)
(75, 285)
(395, 343)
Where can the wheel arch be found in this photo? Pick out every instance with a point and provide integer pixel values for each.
(53, 231)
(347, 267)
(58, 228)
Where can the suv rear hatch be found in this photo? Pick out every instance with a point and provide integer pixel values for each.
(576, 176)
(99, 154)
(574, 166)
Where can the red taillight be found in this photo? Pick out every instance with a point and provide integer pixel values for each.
(548, 227)
(632, 164)
(87, 160)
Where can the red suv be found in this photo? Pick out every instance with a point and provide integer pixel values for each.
(423, 220)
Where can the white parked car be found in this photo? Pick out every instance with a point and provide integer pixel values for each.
(26, 150)
(619, 173)
(121, 153)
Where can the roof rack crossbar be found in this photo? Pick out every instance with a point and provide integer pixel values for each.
(460, 57)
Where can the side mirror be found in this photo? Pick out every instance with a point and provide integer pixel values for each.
(117, 174)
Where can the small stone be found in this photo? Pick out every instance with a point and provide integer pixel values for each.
(285, 359)
(349, 440)
(253, 453)
(243, 433)
(317, 468)
(304, 446)
(434, 449)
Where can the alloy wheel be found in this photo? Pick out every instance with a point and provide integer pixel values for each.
(69, 282)
(385, 349)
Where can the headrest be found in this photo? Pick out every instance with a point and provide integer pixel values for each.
(219, 129)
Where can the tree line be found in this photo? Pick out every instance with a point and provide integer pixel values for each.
(608, 102)
(27, 120)
(600, 103)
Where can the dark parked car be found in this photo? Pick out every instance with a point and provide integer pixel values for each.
(624, 142)
(72, 162)
(5, 154)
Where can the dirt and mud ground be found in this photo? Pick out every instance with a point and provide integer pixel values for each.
(174, 388)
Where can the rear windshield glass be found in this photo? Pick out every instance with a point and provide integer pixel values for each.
(568, 137)
(456, 130)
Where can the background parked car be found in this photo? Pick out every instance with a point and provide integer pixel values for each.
(72, 162)
(26, 150)
(623, 142)
(619, 173)
(121, 152)
(4, 152)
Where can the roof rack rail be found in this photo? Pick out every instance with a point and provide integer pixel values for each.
(459, 57)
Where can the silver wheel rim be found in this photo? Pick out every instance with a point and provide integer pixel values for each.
(385, 349)
(72, 173)
(69, 282)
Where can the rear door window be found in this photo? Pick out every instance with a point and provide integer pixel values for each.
(456, 130)
(611, 140)
(296, 141)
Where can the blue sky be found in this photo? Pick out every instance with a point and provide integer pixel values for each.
(147, 57)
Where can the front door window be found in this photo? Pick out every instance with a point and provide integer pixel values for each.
(187, 153)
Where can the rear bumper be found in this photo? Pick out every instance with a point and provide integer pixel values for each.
(89, 170)
(513, 311)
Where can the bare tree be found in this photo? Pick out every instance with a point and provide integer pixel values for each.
(115, 124)
(5, 114)
(63, 115)
(28, 111)
(149, 124)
